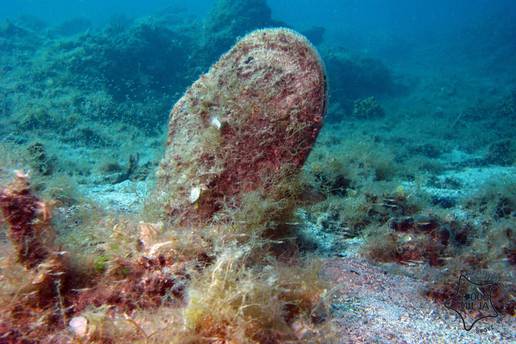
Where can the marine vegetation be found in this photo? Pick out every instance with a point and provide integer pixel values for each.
(219, 262)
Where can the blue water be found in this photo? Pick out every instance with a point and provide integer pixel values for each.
(355, 23)
(402, 16)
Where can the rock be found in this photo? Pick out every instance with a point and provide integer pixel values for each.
(229, 19)
(356, 77)
(39, 160)
(315, 34)
(502, 153)
(367, 108)
(29, 219)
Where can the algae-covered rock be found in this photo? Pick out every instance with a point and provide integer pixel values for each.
(357, 76)
(73, 26)
(230, 19)
(246, 125)
(367, 108)
(502, 152)
(39, 159)
(142, 60)
(354, 77)
(315, 34)
(26, 215)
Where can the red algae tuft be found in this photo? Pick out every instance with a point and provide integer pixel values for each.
(27, 217)
(246, 125)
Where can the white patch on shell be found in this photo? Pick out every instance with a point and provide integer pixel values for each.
(195, 193)
(79, 326)
(216, 122)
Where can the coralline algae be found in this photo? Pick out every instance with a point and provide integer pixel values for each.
(244, 126)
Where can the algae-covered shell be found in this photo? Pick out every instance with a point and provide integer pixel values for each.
(268, 93)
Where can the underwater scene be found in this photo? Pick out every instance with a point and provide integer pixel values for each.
(257, 171)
